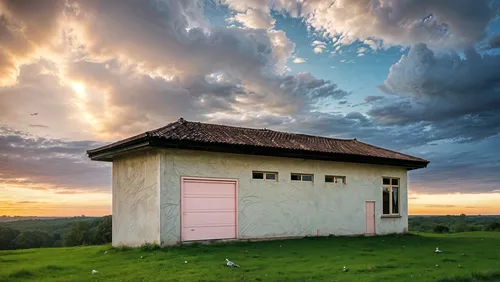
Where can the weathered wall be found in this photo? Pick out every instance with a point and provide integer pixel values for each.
(284, 208)
(136, 212)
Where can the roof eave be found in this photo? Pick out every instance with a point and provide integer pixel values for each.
(107, 153)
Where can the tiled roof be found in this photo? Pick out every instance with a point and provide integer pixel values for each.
(204, 133)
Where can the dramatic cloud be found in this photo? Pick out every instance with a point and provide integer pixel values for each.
(254, 19)
(32, 162)
(22, 33)
(439, 24)
(455, 97)
(463, 168)
(104, 70)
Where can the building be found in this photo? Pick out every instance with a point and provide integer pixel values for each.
(192, 181)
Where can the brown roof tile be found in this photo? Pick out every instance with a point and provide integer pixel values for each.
(204, 133)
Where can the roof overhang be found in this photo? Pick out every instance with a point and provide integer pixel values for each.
(107, 153)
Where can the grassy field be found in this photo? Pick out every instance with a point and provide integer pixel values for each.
(471, 256)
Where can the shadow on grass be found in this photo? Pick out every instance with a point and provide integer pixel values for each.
(22, 274)
(474, 277)
(53, 267)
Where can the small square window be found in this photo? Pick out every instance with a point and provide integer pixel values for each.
(270, 176)
(257, 175)
(387, 181)
(335, 179)
(340, 179)
(306, 177)
(301, 177)
(395, 181)
(264, 175)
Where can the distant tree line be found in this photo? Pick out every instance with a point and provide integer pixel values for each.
(453, 224)
(89, 232)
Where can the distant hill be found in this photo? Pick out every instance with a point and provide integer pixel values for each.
(17, 218)
(49, 225)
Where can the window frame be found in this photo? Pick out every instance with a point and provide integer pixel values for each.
(301, 175)
(344, 179)
(264, 173)
(390, 186)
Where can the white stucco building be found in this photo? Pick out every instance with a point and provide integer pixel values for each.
(192, 181)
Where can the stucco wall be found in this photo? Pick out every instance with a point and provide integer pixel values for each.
(136, 209)
(284, 208)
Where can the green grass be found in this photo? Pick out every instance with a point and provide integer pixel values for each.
(466, 257)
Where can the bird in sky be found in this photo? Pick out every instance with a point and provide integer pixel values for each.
(34, 114)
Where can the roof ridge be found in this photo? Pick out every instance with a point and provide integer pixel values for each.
(173, 126)
(268, 129)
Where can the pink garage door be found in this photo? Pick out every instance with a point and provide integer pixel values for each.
(208, 209)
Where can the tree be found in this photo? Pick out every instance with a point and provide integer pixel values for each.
(78, 234)
(441, 229)
(460, 227)
(494, 226)
(32, 239)
(7, 235)
(104, 230)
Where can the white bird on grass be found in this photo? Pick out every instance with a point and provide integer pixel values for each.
(437, 250)
(94, 271)
(344, 269)
(106, 252)
(231, 264)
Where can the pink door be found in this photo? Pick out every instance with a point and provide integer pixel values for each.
(208, 209)
(370, 218)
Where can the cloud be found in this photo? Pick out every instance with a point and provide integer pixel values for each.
(142, 64)
(299, 60)
(253, 18)
(319, 46)
(494, 42)
(439, 24)
(371, 99)
(119, 50)
(35, 162)
(362, 50)
(38, 125)
(39, 89)
(22, 34)
(462, 167)
(439, 206)
(456, 97)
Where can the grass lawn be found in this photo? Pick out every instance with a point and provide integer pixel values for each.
(471, 256)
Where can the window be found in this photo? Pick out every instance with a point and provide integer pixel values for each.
(390, 196)
(269, 176)
(335, 179)
(302, 177)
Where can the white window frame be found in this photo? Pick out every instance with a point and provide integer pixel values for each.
(390, 186)
(335, 177)
(264, 175)
(301, 175)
